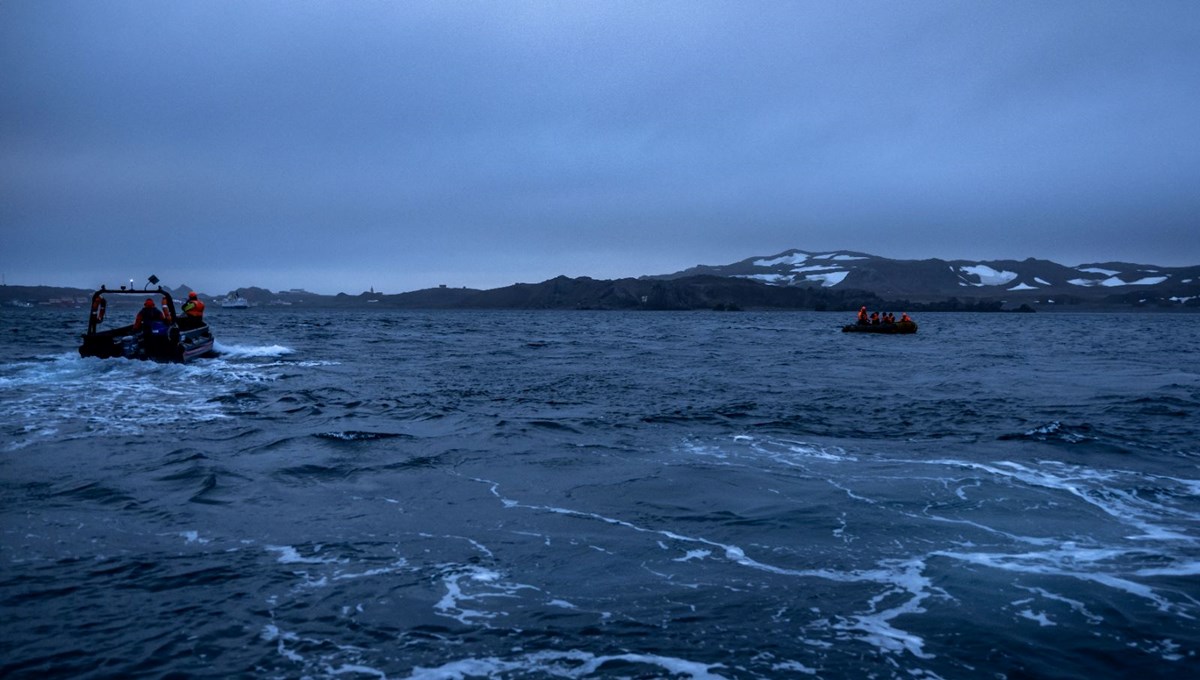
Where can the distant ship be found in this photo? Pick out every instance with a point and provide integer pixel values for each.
(235, 301)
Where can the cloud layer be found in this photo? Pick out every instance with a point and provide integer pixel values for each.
(403, 145)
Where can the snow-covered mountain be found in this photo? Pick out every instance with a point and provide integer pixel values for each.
(1029, 279)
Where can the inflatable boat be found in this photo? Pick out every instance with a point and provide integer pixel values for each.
(892, 328)
(171, 339)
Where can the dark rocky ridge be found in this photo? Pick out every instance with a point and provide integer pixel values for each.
(795, 279)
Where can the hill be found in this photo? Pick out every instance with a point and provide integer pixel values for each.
(1030, 281)
(794, 279)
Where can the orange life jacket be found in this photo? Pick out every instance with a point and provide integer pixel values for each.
(194, 309)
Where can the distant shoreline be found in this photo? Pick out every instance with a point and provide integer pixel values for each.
(699, 293)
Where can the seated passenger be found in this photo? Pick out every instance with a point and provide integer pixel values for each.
(905, 318)
(193, 312)
(874, 318)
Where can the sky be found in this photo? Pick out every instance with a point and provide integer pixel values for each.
(339, 146)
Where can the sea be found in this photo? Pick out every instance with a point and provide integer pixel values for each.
(582, 494)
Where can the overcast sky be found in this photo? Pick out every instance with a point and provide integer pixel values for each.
(342, 145)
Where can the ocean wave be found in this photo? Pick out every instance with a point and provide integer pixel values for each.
(358, 435)
(1056, 431)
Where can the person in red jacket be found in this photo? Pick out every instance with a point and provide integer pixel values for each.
(147, 316)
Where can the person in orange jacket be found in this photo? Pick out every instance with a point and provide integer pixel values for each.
(862, 316)
(193, 308)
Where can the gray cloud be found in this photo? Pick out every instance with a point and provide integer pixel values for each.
(403, 145)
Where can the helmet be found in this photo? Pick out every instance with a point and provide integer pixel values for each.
(192, 295)
(148, 303)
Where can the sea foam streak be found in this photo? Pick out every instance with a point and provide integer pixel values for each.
(251, 351)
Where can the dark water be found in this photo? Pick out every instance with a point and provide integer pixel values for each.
(578, 495)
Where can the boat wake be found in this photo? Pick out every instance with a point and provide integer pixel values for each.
(123, 397)
(251, 351)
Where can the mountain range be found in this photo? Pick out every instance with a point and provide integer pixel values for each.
(795, 279)
(1025, 281)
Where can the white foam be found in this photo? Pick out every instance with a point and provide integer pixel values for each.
(1040, 617)
(1069, 562)
(905, 577)
(465, 584)
(289, 555)
(125, 397)
(272, 633)
(251, 351)
(390, 569)
(193, 537)
(1080, 482)
(356, 669)
(572, 664)
(1075, 605)
(1182, 569)
(874, 626)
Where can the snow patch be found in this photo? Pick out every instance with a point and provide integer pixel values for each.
(988, 276)
(798, 258)
(1039, 280)
(829, 279)
(1148, 281)
(1097, 270)
(1114, 281)
(839, 258)
(773, 279)
(1023, 286)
